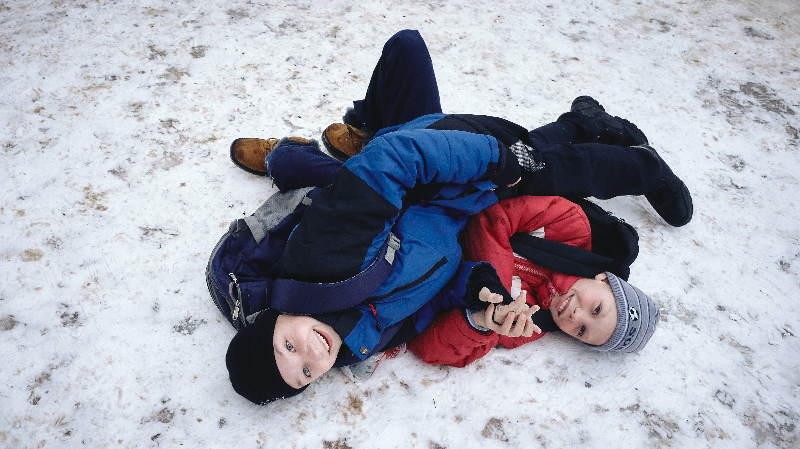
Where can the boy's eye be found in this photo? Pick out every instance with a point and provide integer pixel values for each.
(582, 331)
(306, 371)
(289, 346)
(597, 310)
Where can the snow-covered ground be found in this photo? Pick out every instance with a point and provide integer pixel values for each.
(115, 122)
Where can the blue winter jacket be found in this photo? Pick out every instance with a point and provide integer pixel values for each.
(441, 177)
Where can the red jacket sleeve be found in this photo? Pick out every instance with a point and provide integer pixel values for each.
(515, 342)
(450, 340)
(486, 235)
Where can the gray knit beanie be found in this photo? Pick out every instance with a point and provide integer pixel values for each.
(637, 317)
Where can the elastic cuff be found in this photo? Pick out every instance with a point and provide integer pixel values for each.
(471, 321)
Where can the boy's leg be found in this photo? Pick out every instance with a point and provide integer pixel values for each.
(403, 84)
(588, 122)
(604, 171)
(250, 153)
(588, 152)
(293, 165)
(403, 87)
(588, 169)
(571, 127)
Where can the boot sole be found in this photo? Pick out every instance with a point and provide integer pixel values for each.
(239, 164)
(338, 155)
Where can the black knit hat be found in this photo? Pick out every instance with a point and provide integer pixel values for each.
(251, 362)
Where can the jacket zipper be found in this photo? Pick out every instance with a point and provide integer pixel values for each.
(418, 281)
(548, 283)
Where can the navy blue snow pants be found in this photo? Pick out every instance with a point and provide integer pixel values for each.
(571, 163)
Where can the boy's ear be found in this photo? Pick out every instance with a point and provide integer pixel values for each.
(602, 277)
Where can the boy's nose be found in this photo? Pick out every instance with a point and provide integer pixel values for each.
(314, 348)
(575, 314)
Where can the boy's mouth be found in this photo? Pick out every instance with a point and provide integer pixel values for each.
(562, 306)
(323, 339)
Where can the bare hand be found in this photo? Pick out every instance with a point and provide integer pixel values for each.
(511, 320)
(518, 306)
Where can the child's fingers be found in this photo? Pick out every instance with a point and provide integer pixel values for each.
(527, 331)
(520, 299)
(520, 326)
(507, 324)
(519, 305)
(520, 309)
(533, 310)
(488, 316)
(511, 325)
(486, 295)
(530, 328)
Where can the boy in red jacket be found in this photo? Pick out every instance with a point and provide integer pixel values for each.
(604, 312)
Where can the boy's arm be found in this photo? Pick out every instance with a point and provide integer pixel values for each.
(343, 229)
(455, 337)
(450, 340)
(460, 292)
(395, 162)
(487, 234)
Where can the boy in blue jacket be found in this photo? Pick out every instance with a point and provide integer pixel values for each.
(420, 176)
(342, 232)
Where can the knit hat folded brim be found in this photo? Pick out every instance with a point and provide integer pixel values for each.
(251, 362)
(637, 317)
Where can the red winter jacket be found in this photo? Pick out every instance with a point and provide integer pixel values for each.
(450, 340)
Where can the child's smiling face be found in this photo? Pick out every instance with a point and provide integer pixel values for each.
(588, 311)
(305, 348)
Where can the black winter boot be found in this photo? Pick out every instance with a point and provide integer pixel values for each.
(350, 118)
(671, 198)
(613, 130)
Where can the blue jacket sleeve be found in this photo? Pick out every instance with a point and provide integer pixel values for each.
(395, 162)
(342, 231)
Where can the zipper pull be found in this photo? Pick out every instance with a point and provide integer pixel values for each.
(236, 302)
(375, 314)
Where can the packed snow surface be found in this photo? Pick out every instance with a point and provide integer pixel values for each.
(115, 124)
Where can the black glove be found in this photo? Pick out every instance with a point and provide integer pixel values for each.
(509, 171)
(481, 276)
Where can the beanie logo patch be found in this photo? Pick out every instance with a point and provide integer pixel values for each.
(630, 337)
(634, 314)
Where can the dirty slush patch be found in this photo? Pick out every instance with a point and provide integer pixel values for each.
(747, 103)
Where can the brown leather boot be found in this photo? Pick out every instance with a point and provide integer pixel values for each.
(249, 153)
(343, 141)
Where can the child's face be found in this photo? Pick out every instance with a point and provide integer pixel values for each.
(305, 348)
(588, 311)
